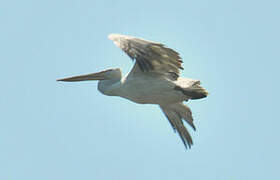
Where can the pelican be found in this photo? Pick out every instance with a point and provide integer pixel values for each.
(154, 79)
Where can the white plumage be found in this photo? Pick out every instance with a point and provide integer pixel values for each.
(154, 79)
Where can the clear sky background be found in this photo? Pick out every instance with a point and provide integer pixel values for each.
(51, 130)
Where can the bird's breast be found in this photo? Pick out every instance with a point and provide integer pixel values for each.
(149, 91)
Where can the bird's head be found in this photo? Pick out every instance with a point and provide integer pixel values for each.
(102, 75)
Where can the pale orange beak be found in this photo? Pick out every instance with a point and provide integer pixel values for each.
(86, 77)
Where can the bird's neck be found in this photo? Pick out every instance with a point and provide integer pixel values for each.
(109, 87)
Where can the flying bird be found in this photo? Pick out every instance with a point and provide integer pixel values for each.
(154, 79)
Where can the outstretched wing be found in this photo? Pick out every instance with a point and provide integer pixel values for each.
(175, 114)
(150, 56)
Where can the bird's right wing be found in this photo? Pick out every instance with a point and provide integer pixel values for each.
(175, 113)
(151, 57)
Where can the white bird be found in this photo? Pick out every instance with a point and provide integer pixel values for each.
(154, 79)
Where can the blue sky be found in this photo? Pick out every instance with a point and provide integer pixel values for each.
(51, 130)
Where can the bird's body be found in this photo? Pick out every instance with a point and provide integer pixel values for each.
(150, 90)
(154, 79)
(145, 89)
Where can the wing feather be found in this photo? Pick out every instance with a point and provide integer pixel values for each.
(149, 56)
(175, 113)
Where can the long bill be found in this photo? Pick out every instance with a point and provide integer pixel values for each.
(86, 77)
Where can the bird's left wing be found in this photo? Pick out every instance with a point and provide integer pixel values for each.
(175, 114)
(150, 56)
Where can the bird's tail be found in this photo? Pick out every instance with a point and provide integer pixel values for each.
(175, 113)
(198, 91)
(195, 91)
